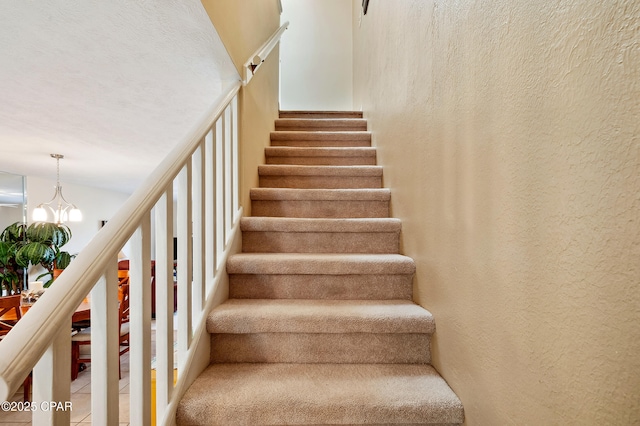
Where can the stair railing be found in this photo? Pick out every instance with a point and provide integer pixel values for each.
(204, 170)
(256, 60)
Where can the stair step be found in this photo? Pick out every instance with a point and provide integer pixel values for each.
(319, 235)
(320, 276)
(320, 326)
(329, 203)
(240, 316)
(327, 177)
(319, 394)
(310, 264)
(321, 124)
(320, 114)
(321, 156)
(318, 331)
(320, 139)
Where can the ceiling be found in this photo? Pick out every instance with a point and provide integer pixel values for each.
(112, 85)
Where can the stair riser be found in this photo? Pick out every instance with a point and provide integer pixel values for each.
(321, 139)
(320, 182)
(333, 287)
(339, 348)
(329, 127)
(323, 161)
(352, 125)
(320, 114)
(320, 242)
(320, 208)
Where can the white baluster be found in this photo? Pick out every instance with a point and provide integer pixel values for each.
(140, 324)
(198, 232)
(210, 203)
(164, 302)
(51, 377)
(236, 160)
(228, 202)
(104, 348)
(219, 212)
(184, 262)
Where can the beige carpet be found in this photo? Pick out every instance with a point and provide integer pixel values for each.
(320, 327)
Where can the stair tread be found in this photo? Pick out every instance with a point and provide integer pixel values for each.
(345, 225)
(356, 114)
(365, 194)
(319, 316)
(321, 120)
(319, 394)
(320, 124)
(295, 170)
(320, 263)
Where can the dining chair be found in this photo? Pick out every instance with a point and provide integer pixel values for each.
(81, 342)
(7, 304)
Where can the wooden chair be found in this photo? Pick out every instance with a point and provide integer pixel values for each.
(123, 278)
(7, 304)
(80, 342)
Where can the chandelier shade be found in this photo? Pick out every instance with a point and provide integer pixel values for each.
(58, 209)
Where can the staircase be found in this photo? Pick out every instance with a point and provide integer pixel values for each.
(320, 327)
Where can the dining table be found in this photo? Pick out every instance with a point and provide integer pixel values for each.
(82, 312)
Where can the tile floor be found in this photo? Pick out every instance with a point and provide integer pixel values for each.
(80, 398)
(81, 393)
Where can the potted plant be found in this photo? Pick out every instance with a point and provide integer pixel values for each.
(43, 246)
(12, 274)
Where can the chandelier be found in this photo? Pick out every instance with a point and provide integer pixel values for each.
(61, 210)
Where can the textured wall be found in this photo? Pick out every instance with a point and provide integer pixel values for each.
(244, 25)
(509, 131)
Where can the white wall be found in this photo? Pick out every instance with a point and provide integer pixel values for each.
(11, 199)
(9, 215)
(316, 60)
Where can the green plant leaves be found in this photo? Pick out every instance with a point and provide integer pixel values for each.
(36, 244)
(63, 259)
(9, 279)
(11, 274)
(6, 251)
(34, 253)
(49, 233)
(13, 233)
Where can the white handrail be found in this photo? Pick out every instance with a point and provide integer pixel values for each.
(36, 333)
(255, 60)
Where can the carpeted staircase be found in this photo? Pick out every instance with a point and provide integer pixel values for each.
(320, 327)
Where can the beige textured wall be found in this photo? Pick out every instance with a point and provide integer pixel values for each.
(244, 25)
(509, 131)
